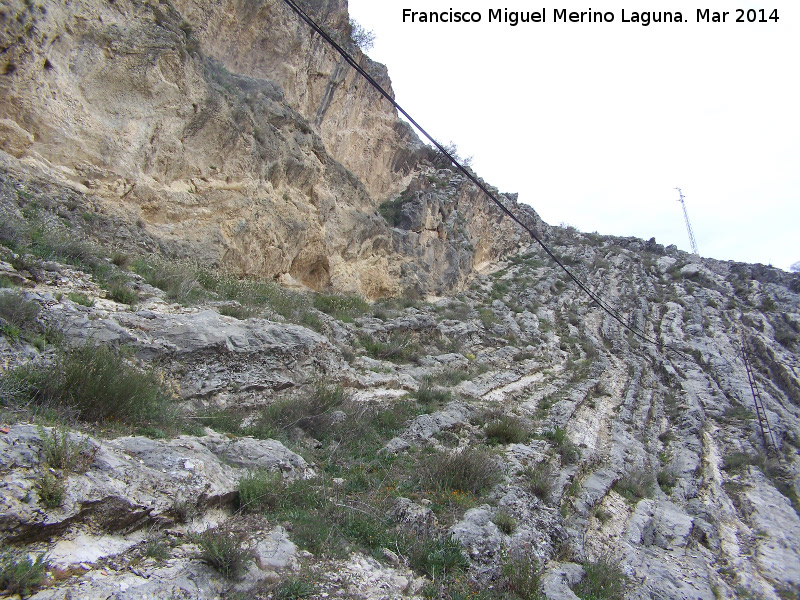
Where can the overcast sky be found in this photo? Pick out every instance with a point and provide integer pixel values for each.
(595, 124)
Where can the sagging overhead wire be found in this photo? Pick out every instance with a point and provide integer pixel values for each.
(594, 297)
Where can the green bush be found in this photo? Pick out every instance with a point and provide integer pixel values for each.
(666, 480)
(539, 482)
(392, 210)
(399, 347)
(178, 279)
(119, 292)
(521, 578)
(96, 381)
(237, 311)
(260, 490)
(474, 470)
(635, 485)
(604, 579)
(487, 317)
(292, 588)
(225, 550)
(427, 393)
(736, 461)
(310, 411)
(81, 299)
(156, 547)
(18, 311)
(19, 574)
(505, 522)
(450, 376)
(568, 451)
(52, 489)
(506, 430)
(437, 558)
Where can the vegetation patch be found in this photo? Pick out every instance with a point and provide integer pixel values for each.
(79, 298)
(521, 578)
(392, 210)
(506, 430)
(399, 347)
(634, 485)
(293, 588)
(428, 393)
(539, 481)
(97, 382)
(473, 470)
(224, 549)
(52, 488)
(341, 307)
(604, 579)
(505, 522)
(450, 377)
(666, 480)
(569, 452)
(19, 574)
(59, 451)
(736, 461)
(438, 557)
(260, 490)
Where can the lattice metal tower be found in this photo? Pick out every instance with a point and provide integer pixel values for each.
(688, 225)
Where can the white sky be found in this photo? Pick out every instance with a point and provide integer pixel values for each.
(595, 124)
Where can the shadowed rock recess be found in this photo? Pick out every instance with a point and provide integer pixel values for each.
(258, 341)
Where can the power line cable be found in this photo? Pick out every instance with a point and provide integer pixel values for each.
(594, 297)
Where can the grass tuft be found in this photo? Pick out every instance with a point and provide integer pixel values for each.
(428, 393)
(344, 308)
(604, 579)
(473, 470)
(505, 522)
(634, 485)
(225, 550)
(506, 430)
(60, 452)
(293, 588)
(260, 490)
(539, 482)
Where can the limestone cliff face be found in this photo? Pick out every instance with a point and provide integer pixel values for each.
(265, 39)
(228, 133)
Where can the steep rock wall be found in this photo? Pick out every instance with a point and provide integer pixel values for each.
(265, 39)
(124, 102)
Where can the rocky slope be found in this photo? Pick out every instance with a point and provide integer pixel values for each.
(587, 451)
(175, 423)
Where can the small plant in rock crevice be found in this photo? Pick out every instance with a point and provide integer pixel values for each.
(260, 490)
(61, 452)
(428, 393)
(505, 522)
(293, 588)
(224, 549)
(19, 574)
(634, 485)
(604, 580)
(538, 480)
(52, 489)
